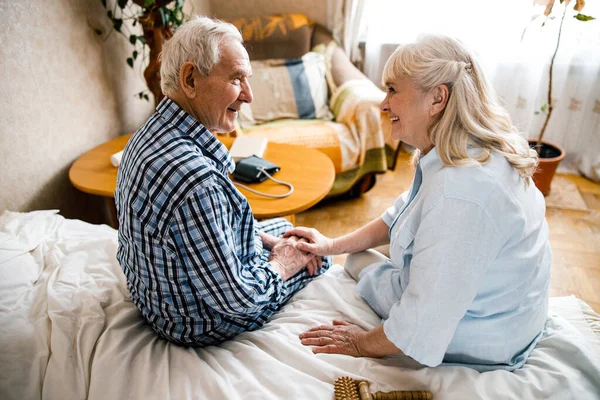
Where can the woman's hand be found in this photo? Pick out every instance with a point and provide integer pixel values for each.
(339, 338)
(317, 244)
(349, 339)
(270, 241)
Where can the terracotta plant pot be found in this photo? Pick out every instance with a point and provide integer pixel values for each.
(550, 156)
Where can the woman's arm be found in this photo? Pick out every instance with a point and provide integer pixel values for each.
(373, 234)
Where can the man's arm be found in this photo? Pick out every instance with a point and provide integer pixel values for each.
(204, 241)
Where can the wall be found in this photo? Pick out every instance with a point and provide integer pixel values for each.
(63, 90)
(316, 10)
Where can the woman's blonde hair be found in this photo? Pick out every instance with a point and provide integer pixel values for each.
(197, 40)
(473, 115)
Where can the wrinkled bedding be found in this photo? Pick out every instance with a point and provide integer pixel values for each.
(69, 330)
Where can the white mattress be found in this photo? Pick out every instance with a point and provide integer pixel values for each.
(68, 330)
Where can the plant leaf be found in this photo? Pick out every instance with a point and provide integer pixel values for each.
(584, 18)
(544, 108)
(130, 61)
(178, 15)
(163, 16)
(117, 23)
(142, 39)
(132, 39)
(148, 3)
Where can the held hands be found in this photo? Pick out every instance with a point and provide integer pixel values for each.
(315, 243)
(288, 259)
(339, 338)
(268, 240)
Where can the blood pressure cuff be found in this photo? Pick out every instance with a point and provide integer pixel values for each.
(250, 169)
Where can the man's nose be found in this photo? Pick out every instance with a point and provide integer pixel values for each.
(246, 94)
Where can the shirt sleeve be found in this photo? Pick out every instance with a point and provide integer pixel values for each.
(392, 212)
(204, 240)
(455, 244)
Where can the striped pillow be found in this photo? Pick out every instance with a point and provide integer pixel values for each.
(287, 88)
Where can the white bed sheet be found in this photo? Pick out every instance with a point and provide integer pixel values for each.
(69, 330)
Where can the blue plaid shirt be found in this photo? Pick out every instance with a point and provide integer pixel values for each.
(188, 242)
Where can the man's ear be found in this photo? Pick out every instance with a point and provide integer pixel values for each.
(187, 80)
(440, 99)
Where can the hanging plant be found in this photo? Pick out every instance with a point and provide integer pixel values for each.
(158, 19)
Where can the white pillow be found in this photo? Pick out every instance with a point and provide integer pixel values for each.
(287, 88)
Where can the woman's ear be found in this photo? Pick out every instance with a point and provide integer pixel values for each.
(440, 99)
(187, 79)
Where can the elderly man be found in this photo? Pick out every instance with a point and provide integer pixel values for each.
(199, 267)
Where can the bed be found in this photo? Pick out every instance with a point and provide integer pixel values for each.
(69, 330)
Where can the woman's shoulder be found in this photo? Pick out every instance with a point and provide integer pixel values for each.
(476, 183)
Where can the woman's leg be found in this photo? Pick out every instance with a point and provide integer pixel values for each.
(356, 262)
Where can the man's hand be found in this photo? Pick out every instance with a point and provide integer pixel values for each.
(288, 259)
(268, 240)
(316, 243)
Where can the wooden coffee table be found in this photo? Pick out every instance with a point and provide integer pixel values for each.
(310, 171)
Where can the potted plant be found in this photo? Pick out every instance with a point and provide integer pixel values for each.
(158, 19)
(550, 155)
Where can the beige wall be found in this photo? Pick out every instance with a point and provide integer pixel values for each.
(63, 91)
(316, 10)
(193, 7)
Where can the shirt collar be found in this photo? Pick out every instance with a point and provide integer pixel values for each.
(430, 161)
(210, 146)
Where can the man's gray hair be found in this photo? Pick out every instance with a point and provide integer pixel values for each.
(198, 41)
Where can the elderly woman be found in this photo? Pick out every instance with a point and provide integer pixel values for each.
(469, 268)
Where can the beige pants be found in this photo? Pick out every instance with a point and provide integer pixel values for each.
(356, 262)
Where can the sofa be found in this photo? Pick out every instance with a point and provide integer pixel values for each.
(340, 116)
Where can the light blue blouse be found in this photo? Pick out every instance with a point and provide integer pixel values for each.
(470, 267)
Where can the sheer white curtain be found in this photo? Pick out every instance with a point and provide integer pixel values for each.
(346, 22)
(515, 52)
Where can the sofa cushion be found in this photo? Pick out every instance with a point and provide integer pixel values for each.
(276, 36)
(287, 88)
